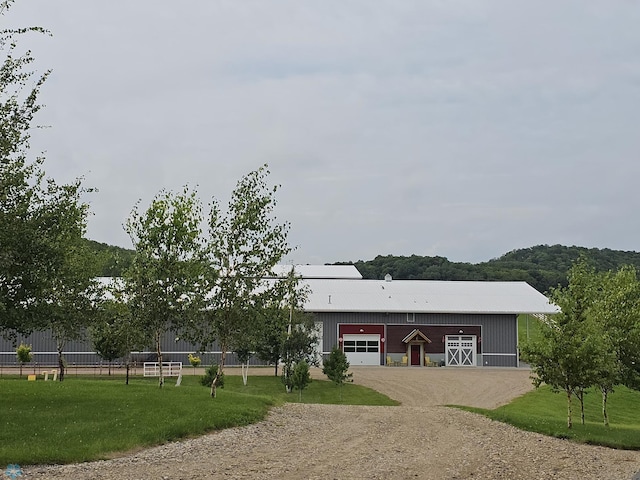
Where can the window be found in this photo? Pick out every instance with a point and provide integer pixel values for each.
(361, 346)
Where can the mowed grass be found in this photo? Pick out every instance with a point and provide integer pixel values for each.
(545, 412)
(528, 328)
(89, 418)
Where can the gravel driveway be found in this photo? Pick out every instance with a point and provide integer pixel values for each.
(419, 439)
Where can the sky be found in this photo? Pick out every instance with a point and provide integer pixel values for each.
(463, 129)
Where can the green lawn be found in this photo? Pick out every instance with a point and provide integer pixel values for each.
(546, 412)
(88, 418)
(528, 328)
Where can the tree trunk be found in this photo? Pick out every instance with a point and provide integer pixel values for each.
(60, 365)
(219, 372)
(109, 367)
(245, 372)
(580, 396)
(214, 384)
(21, 369)
(569, 419)
(605, 416)
(159, 352)
(276, 368)
(126, 382)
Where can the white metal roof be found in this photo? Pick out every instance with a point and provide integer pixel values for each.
(319, 271)
(425, 296)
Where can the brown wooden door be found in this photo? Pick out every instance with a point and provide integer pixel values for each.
(415, 354)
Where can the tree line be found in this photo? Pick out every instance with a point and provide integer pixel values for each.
(208, 286)
(543, 266)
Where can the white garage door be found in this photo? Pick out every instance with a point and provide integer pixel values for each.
(362, 349)
(461, 350)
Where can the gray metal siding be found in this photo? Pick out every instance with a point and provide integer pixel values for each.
(81, 352)
(499, 336)
(499, 332)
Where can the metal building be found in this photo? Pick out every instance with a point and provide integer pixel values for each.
(375, 322)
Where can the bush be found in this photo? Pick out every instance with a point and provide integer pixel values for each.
(210, 374)
(301, 377)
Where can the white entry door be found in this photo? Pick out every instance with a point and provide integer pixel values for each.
(362, 349)
(461, 350)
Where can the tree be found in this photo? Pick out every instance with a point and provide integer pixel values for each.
(300, 377)
(244, 246)
(115, 335)
(165, 284)
(300, 345)
(38, 218)
(616, 310)
(336, 368)
(281, 314)
(24, 355)
(72, 303)
(563, 356)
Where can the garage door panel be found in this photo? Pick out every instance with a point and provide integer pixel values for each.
(362, 349)
(461, 351)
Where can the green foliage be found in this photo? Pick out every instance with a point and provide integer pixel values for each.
(115, 335)
(209, 374)
(41, 222)
(336, 368)
(563, 356)
(111, 261)
(73, 300)
(165, 284)
(594, 341)
(544, 412)
(543, 266)
(301, 377)
(298, 346)
(245, 244)
(24, 355)
(285, 331)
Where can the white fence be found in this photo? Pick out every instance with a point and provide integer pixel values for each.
(169, 369)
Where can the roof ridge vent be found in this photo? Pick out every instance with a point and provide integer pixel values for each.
(387, 277)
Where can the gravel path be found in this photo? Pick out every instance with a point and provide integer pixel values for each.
(419, 439)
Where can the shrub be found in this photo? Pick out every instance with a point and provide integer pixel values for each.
(209, 375)
(23, 352)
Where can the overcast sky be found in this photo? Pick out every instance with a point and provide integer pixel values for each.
(463, 129)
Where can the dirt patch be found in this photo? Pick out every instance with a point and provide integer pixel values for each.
(419, 386)
(419, 439)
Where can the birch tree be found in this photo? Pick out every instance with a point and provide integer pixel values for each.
(564, 356)
(616, 310)
(281, 314)
(165, 284)
(245, 243)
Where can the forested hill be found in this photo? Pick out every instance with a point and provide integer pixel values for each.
(113, 260)
(542, 266)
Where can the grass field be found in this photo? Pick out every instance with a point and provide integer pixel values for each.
(88, 418)
(545, 412)
(528, 328)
